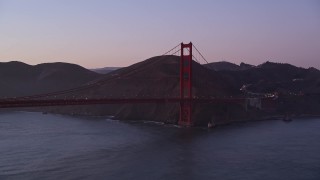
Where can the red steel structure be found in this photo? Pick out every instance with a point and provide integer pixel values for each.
(69, 102)
(186, 85)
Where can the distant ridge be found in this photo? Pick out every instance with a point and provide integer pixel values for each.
(227, 66)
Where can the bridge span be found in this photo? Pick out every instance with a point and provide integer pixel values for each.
(186, 99)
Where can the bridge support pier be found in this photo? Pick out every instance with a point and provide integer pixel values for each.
(185, 114)
(186, 85)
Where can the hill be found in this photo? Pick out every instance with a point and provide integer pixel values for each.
(277, 77)
(297, 89)
(20, 79)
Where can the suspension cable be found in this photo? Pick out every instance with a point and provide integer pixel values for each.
(171, 50)
(200, 53)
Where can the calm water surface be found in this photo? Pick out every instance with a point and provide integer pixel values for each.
(38, 146)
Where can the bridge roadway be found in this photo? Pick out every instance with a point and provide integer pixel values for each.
(13, 103)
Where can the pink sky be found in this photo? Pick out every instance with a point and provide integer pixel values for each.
(99, 33)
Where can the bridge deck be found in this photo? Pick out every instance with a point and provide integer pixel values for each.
(11, 103)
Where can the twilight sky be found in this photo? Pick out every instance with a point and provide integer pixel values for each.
(99, 33)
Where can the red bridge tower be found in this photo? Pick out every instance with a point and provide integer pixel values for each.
(186, 85)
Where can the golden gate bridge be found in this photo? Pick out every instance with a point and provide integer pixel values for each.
(186, 98)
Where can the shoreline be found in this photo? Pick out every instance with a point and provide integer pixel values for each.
(143, 121)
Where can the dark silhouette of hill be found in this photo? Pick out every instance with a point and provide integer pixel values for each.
(227, 66)
(20, 79)
(277, 77)
(298, 88)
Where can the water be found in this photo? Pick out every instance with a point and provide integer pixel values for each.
(38, 146)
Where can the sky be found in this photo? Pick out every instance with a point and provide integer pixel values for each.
(116, 33)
